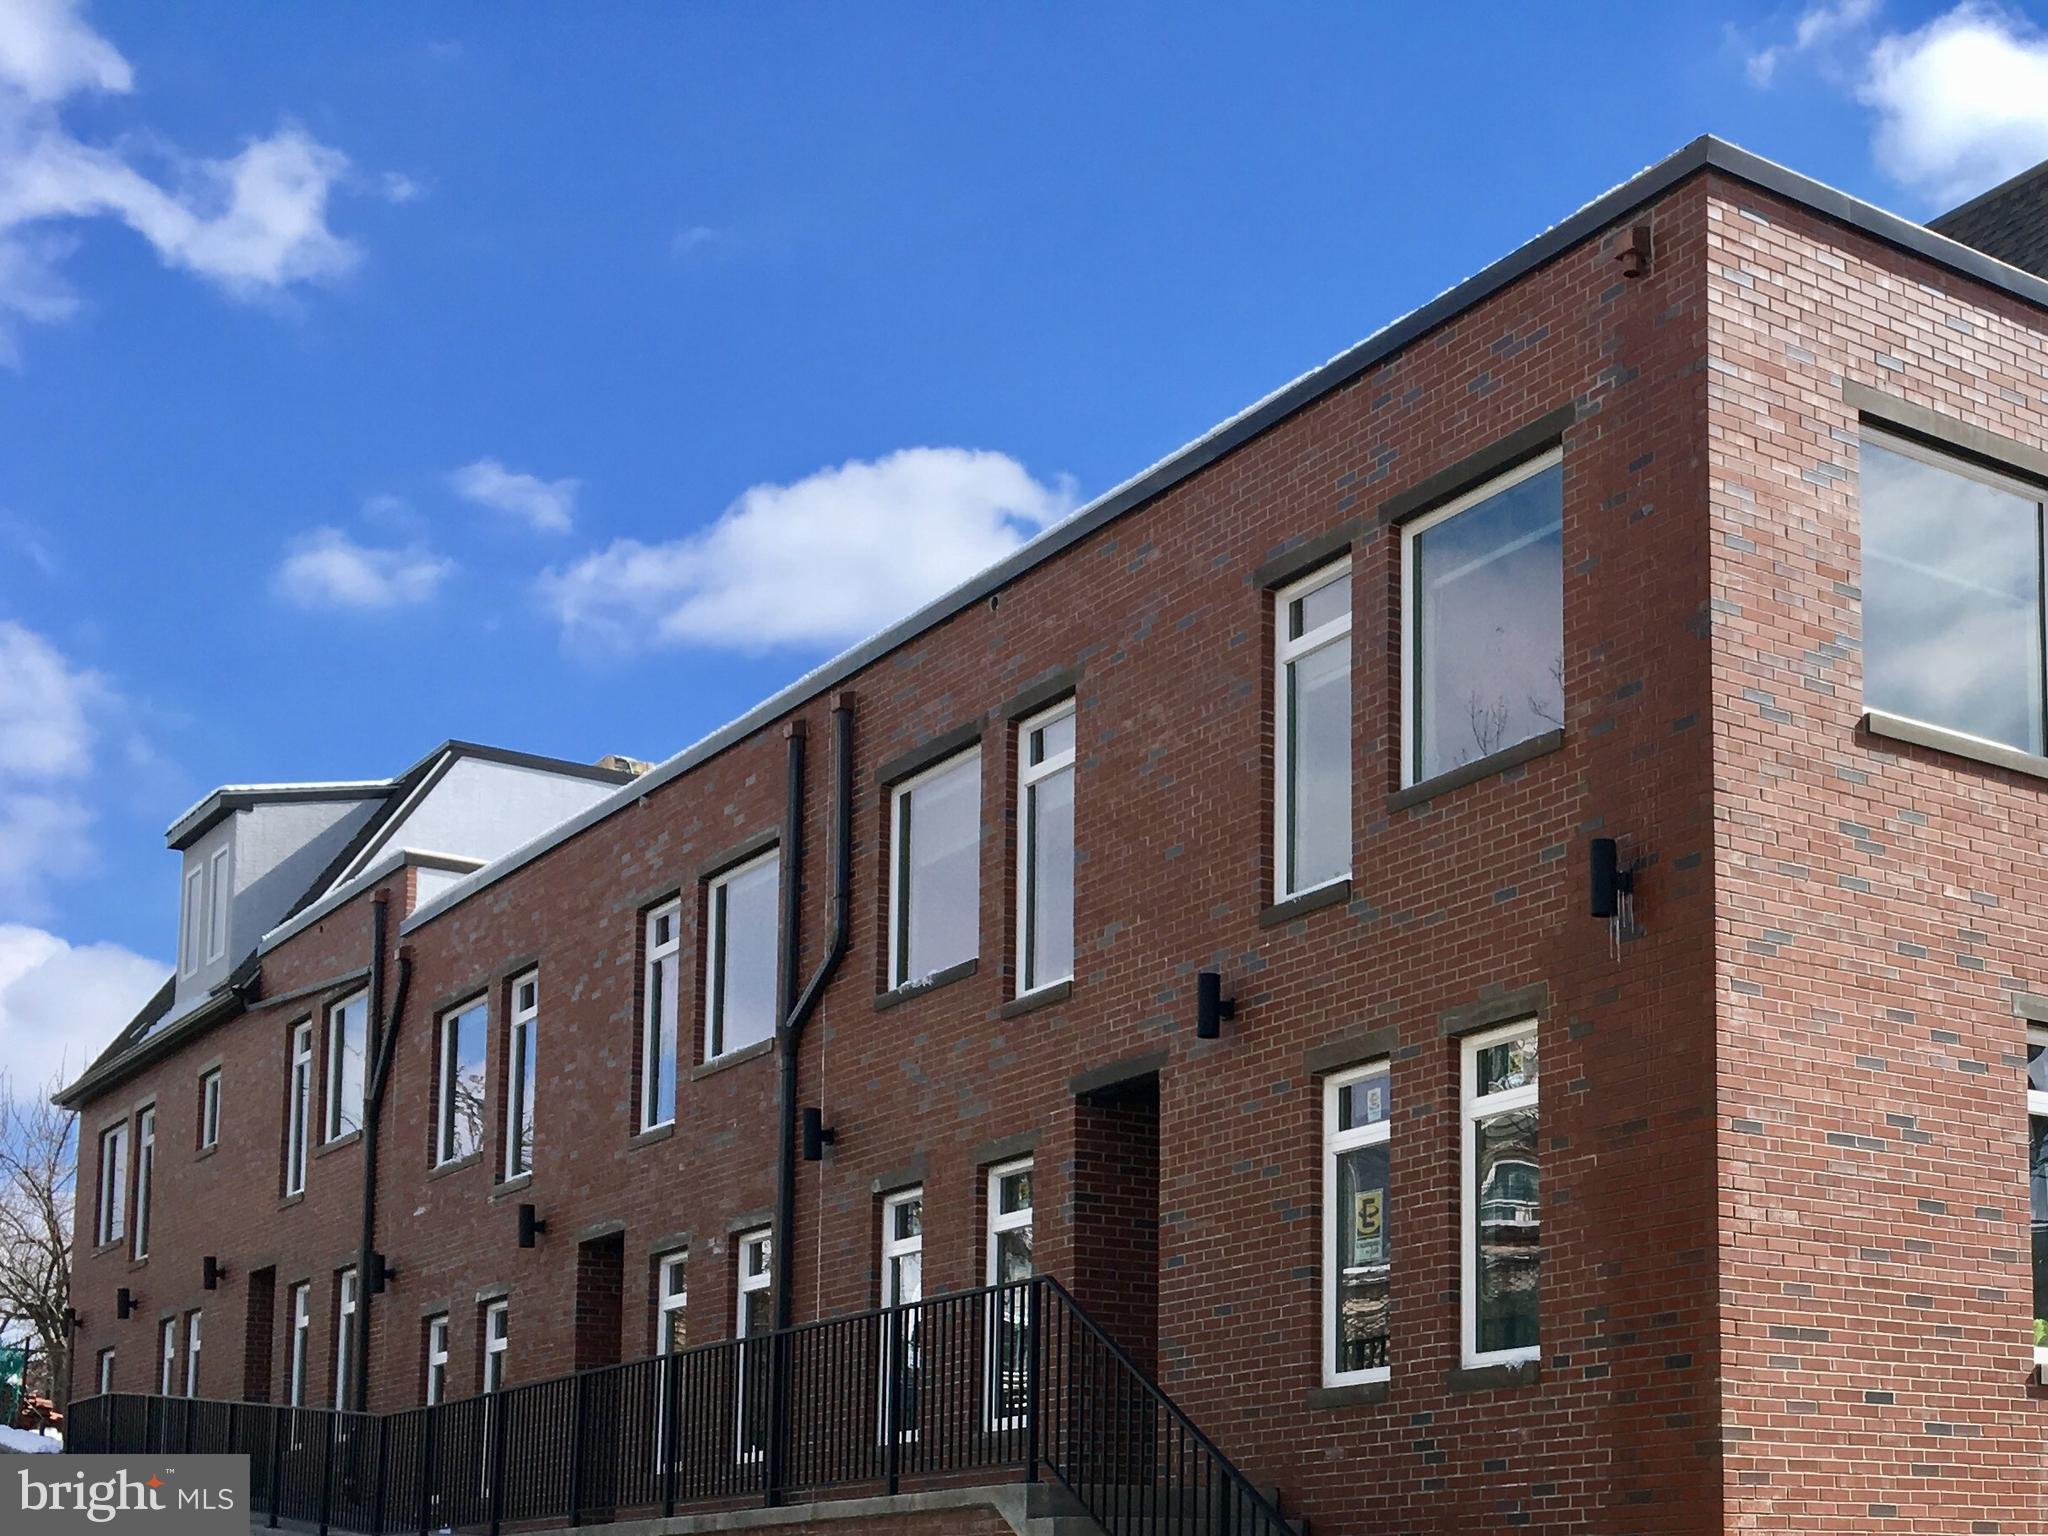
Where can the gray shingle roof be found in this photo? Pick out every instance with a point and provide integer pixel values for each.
(2009, 222)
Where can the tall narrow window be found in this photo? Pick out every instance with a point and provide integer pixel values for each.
(497, 1344)
(1312, 731)
(522, 1036)
(1484, 620)
(1045, 849)
(1501, 1209)
(741, 929)
(435, 1385)
(105, 1373)
(2037, 1181)
(903, 1286)
(299, 1111)
(1952, 601)
(217, 905)
(672, 1304)
(658, 1016)
(209, 1109)
(344, 1336)
(1357, 1248)
(755, 1315)
(1009, 1264)
(167, 1358)
(192, 1354)
(302, 1336)
(112, 1204)
(348, 1033)
(194, 937)
(145, 1177)
(459, 1090)
(935, 870)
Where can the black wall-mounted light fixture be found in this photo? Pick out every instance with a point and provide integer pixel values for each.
(124, 1303)
(817, 1134)
(382, 1273)
(530, 1226)
(1211, 1006)
(71, 1321)
(1611, 879)
(210, 1271)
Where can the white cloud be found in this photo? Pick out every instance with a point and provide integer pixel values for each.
(547, 506)
(50, 716)
(831, 558)
(1960, 103)
(328, 569)
(60, 1003)
(253, 223)
(398, 187)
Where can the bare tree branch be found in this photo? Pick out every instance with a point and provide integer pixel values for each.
(38, 1186)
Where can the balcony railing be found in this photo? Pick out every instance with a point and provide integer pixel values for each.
(971, 1387)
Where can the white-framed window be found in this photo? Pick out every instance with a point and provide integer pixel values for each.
(145, 1177)
(935, 869)
(209, 1109)
(664, 942)
(743, 923)
(1500, 1204)
(754, 1315)
(902, 1286)
(672, 1303)
(302, 1337)
(497, 1344)
(1312, 731)
(348, 1041)
(1357, 1249)
(167, 1358)
(2037, 1180)
(194, 937)
(1482, 620)
(105, 1373)
(192, 1354)
(1009, 1264)
(459, 1086)
(436, 1352)
(1953, 606)
(112, 1203)
(220, 890)
(1045, 848)
(344, 1335)
(522, 1038)
(299, 1111)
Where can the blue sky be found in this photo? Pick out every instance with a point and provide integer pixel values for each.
(569, 378)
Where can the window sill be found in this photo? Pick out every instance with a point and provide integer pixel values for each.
(931, 983)
(1471, 773)
(205, 1152)
(286, 1202)
(135, 1264)
(443, 1170)
(113, 1247)
(652, 1134)
(1355, 1394)
(1938, 738)
(511, 1186)
(346, 1139)
(1333, 894)
(1487, 1378)
(1036, 998)
(740, 1057)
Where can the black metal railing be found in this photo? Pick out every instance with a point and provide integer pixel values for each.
(1009, 1380)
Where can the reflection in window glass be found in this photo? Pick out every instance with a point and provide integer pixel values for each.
(1359, 1237)
(1045, 925)
(1313, 790)
(1486, 587)
(1951, 597)
(461, 1126)
(739, 983)
(2037, 1180)
(1502, 1205)
(936, 913)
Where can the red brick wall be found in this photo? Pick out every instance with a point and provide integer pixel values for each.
(1878, 906)
(1480, 891)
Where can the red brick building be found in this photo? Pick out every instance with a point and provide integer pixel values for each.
(1710, 522)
